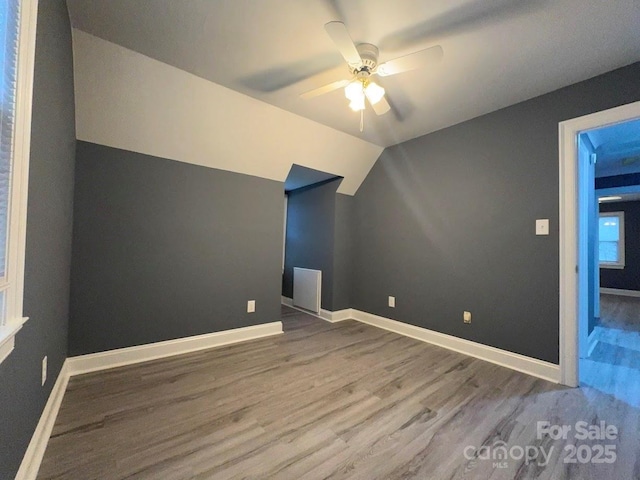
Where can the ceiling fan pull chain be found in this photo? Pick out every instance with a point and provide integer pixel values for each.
(362, 120)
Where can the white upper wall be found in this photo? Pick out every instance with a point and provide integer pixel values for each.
(496, 52)
(129, 101)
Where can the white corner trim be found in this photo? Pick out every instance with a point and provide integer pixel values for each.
(618, 291)
(142, 353)
(38, 444)
(286, 301)
(337, 316)
(531, 366)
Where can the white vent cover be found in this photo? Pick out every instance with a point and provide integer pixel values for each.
(307, 286)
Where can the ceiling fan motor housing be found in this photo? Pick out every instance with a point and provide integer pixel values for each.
(369, 55)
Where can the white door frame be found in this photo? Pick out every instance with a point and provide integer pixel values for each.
(569, 234)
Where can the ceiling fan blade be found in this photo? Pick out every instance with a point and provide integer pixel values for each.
(381, 106)
(340, 36)
(419, 59)
(324, 89)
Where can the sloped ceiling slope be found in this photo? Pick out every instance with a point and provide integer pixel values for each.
(130, 101)
(496, 52)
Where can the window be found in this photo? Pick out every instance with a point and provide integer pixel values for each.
(8, 55)
(17, 49)
(611, 239)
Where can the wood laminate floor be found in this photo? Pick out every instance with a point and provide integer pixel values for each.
(329, 401)
(614, 365)
(620, 312)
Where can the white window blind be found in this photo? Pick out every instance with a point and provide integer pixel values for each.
(9, 21)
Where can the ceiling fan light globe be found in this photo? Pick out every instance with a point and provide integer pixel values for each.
(374, 93)
(357, 104)
(354, 92)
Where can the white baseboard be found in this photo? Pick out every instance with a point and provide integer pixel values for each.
(329, 316)
(531, 366)
(152, 351)
(337, 316)
(38, 444)
(618, 291)
(521, 363)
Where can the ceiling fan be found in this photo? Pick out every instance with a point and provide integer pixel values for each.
(363, 64)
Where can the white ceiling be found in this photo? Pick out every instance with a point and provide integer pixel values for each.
(617, 148)
(496, 52)
(616, 141)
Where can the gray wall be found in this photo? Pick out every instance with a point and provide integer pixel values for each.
(310, 236)
(164, 250)
(319, 236)
(445, 222)
(342, 252)
(48, 249)
(627, 278)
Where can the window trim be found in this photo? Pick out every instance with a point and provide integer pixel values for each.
(17, 223)
(621, 242)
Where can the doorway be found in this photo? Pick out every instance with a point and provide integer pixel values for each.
(609, 339)
(579, 217)
(308, 237)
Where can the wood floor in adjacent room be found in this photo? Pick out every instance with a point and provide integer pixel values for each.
(323, 400)
(613, 367)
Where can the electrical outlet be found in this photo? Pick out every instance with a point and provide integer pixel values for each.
(466, 317)
(251, 306)
(542, 226)
(44, 370)
(392, 302)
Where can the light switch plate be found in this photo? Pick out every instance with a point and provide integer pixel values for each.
(392, 302)
(542, 226)
(251, 306)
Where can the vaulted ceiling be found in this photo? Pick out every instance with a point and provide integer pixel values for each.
(496, 52)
